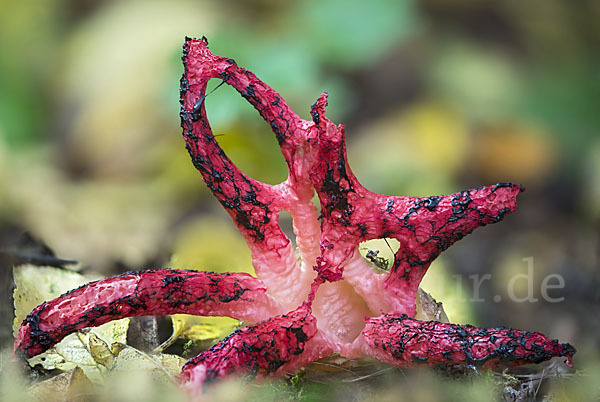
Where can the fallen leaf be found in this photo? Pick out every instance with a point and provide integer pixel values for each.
(75, 350)
(428, 309)
(72, 385)
(101, 352)
(137, 376)
(163, 367)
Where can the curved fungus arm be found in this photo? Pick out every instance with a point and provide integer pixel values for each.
(405, 341)
(427, 226)
(281, 343)
(254, 206)
(160, 292)
(200, 65)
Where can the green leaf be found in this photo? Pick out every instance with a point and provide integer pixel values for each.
(354, 33)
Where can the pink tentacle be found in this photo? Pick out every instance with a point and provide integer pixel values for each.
(404, 341)
(160, 292)
(201, 65)
(253, 206)
(427, 226)
(281, 343)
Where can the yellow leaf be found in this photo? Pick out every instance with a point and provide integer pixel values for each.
(100, 351)
(75, 350)
(108, 51)
(516, 153)
(449, 289)
(137, 376)
(379, 253)
(414, 152)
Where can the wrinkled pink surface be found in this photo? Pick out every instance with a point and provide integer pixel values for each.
(337, 303)
(272, 345)
(405, 341)
(160, 292)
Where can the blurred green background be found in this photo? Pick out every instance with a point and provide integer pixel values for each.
(436, 95)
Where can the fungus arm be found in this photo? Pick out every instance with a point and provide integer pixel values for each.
(424, 226)
(427, 226)
(406, 342)
(160, 292)
(253, 206)
(279, 344)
